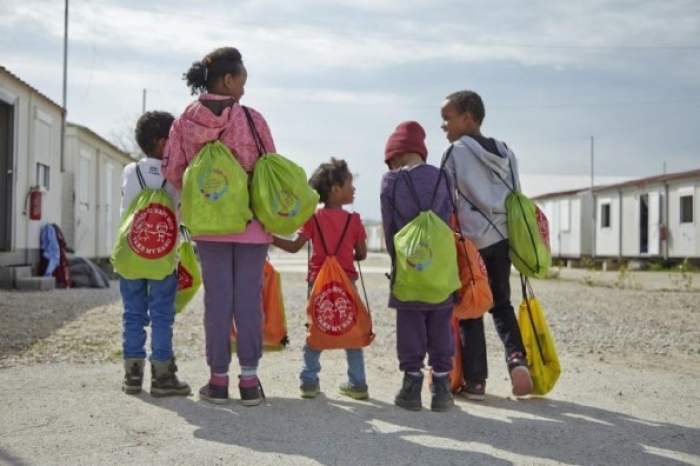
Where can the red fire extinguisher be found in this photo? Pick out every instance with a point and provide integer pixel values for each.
(35, 203)
(662, 232)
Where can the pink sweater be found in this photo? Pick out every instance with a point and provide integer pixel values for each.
(198, 125)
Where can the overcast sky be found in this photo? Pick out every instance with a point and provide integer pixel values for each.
(335, 78)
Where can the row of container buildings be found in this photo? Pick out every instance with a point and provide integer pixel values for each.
(76, 186)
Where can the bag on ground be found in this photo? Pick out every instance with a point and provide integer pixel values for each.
(474, 296)
(274, 315)
(542, 357)
(146, 241)
(214, 198)
(281, 196)
(425, 262)
(189, 274)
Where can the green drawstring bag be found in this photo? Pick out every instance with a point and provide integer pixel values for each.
(528, 235)
(425, 263)
(189, 273)
(214, 198)
(147, 236)
(281, 196)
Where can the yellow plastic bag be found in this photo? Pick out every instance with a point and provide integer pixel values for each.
(189, 273)
(542, 357)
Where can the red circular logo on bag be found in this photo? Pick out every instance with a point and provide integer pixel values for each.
(184, 278)
(335, 311)
(153, 231)
(543, 225)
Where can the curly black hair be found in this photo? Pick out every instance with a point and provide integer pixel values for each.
(217, 64)
(327, 175)
(469, 102)
(151, 127)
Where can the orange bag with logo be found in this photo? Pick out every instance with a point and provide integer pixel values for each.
(274, 316)
(335, 314)
(475, 297)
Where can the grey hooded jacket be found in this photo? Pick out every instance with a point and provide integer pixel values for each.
(479, 176)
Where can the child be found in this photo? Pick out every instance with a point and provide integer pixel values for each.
(149, 300)
(333, 182)
(232, 265)
(420, 327)
(477, 165)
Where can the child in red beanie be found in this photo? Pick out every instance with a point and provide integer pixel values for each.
(421, 328)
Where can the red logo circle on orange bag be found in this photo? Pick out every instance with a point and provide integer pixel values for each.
(153, 233)
(335, 311)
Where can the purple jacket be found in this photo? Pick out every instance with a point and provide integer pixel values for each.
(399, 208)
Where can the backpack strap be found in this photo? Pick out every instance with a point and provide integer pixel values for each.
(256, 136)
(342, 236)
(142, 181)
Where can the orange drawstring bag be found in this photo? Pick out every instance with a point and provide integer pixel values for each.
(457, 374)
(274, 316)
(474, 296)
(336, 317)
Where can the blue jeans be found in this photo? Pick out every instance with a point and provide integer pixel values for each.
(148, 301)
(312, 366)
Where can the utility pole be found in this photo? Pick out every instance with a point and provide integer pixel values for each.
(64, 101)
(595, 207)
(143, 102)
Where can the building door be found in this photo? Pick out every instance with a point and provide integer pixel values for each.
(109, 208)
(654, 224)
(7, 177)
(644, 224)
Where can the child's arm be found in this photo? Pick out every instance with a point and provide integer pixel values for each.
(290, 245)
(361, 249)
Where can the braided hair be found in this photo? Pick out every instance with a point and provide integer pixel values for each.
(217, 64)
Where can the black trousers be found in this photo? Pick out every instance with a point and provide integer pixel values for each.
(498, 264)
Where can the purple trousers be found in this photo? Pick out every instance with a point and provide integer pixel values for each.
(419, 332)
(232, 275)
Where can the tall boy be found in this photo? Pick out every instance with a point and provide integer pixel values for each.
(479, 168)
(148, 300)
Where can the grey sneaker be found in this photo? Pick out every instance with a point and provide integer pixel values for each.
(357, 392)
(309, 389)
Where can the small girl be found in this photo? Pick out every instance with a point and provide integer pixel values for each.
(333, 182)
(232, 265)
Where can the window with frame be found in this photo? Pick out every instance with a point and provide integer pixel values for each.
(605, 216)
(43, 173)
(686, 209)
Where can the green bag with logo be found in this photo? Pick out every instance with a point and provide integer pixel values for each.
(281, 196)
(147, 236)
(282, 199)
(528, 235)
(214, 198)
(189, 273)
(425, 262)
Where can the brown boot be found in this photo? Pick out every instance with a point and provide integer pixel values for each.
(133, 376)
(164, 382)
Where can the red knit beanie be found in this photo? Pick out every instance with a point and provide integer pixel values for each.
(409, 136)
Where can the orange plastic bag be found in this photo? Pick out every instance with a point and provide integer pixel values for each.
(457, 374)
(475, 297)
(336, 316)
(274, 315)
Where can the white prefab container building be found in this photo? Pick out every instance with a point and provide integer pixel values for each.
(30, 162)
(570, 216)
(91, 192)
(654, 217)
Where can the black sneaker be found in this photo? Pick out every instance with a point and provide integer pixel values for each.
(442, 398)
(475, 391)
(409, 395)
(216, 394)
(251, 391)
